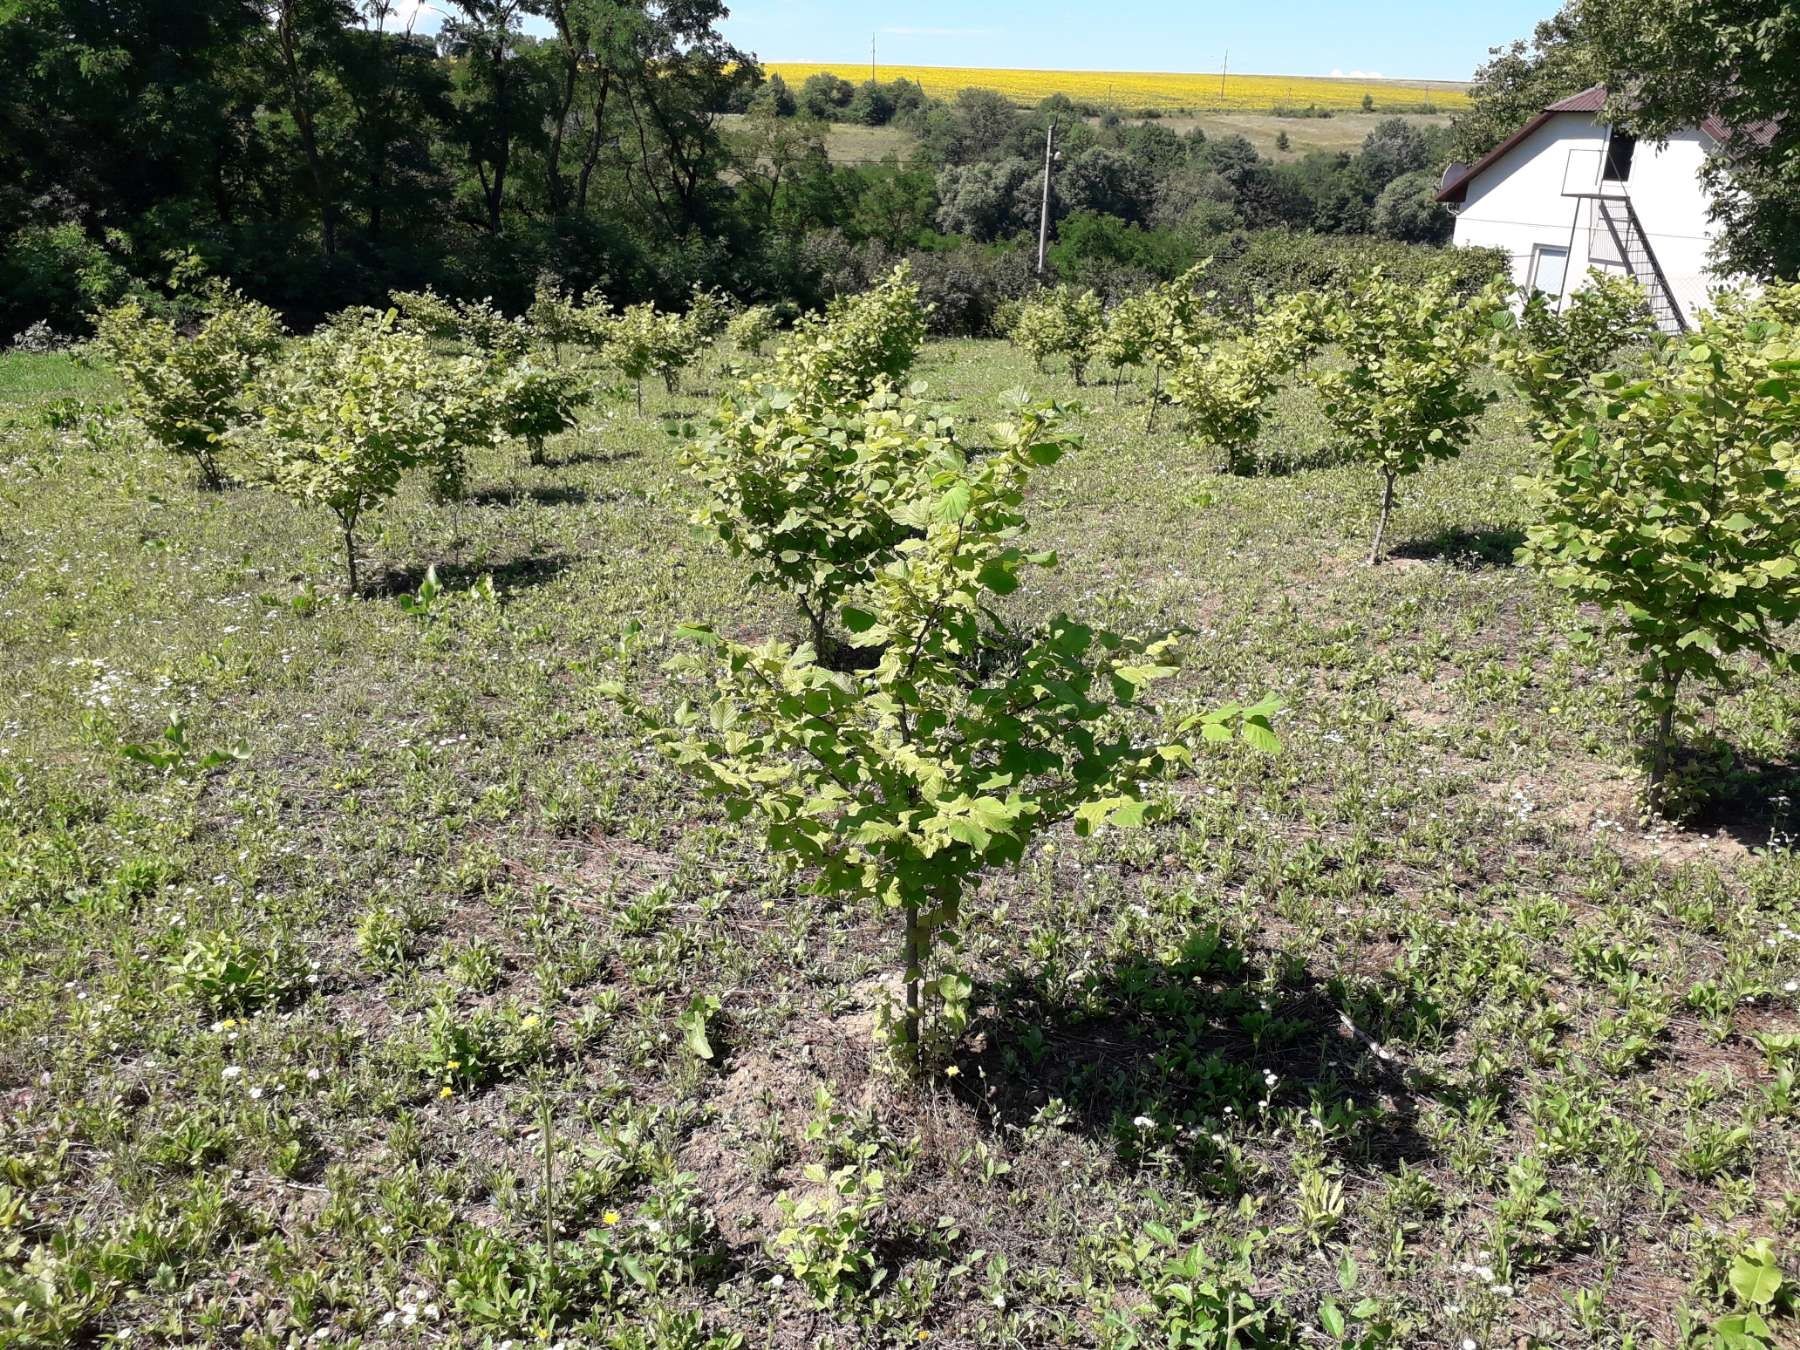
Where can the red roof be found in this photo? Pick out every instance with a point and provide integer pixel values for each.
(1590, 100)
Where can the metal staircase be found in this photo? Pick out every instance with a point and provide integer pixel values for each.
(1615, 223)
(1616, 235)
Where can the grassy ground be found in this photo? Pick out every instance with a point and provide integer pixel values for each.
(1344, 131)
(1412, 1017)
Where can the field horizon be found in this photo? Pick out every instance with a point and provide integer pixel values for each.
(1153, 89)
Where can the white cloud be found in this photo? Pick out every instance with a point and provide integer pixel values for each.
(1337, 74)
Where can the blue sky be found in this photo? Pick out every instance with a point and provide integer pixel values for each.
(1282, 37)
(1399, 38)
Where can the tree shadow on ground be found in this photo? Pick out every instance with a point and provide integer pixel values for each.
(574, 458)
(1753, 801)
(515, 575)
(555, 494)
(1491, 546)
(1285, 462)
(1163, 1059)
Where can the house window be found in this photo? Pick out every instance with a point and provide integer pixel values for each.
(1549, 265)
(1619, 150)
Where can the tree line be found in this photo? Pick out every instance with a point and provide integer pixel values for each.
(324, 154)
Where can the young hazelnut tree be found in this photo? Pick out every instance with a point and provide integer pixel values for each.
(631, 345)
(1407, 395)
(752, 329)
(472, 326)
(1061, 322)
(1178, 322)
(1670, 502)
(861, 340)
(1224, 380)
(1127, 335)
(1550, 356)
(806, 492)
(353, 408)
(187, 389)
(643, 341)
(555, 317)
(708, 315)
(899, 785)
(533, 404)
(1223, 389)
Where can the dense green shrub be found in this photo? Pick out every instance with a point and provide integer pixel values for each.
(357, 405)
(752, 329)
(810, 493)
(1551, 355)
(1669, 501)
(188, 388)
(1060, 322)
(964, 288)
(57, 274)
(1249, 269)
(861, 340)
(900, 783)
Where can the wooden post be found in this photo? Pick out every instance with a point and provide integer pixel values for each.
(1044, 209)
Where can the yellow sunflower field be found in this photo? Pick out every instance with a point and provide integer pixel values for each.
(1161, 90)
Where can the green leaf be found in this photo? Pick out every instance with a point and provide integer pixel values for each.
(1258, 733)
(1332, 1319)
(1755, 1278)
(953, 505)
(968, 832)
(1128, 814)
(693, 1023)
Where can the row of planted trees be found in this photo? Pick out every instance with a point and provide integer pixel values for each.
(1669, 489)
(340, 417)
(918, 738)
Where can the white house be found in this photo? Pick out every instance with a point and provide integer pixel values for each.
(1567, 192)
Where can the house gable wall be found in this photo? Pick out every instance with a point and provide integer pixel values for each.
(1517, 204)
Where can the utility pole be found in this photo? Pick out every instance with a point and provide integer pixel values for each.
(1224, 66)
(871, 58)
(1044, 210)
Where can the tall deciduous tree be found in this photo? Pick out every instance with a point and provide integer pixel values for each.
(498, 106)
(1671, 64)
(305, 37)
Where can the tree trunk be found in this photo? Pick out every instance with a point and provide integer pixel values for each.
(1662, 749)
(1155, 398)
(1387, 506)
(911, 1030)
(556, 188)
(496, 187)
(210, 477)
(303, 123)
(595, 142)
(351, 587)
